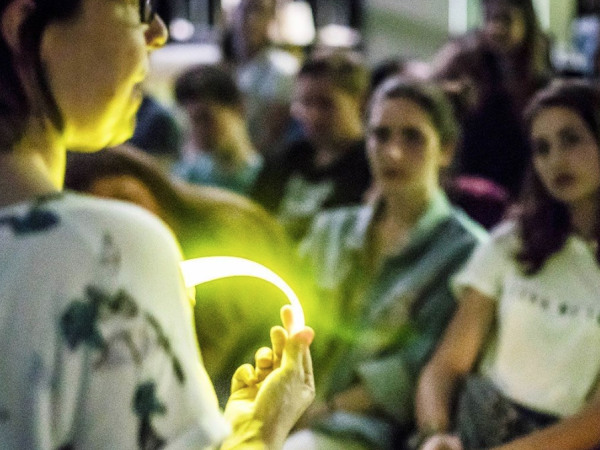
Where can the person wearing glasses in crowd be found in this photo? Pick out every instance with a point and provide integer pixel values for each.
(98, 347)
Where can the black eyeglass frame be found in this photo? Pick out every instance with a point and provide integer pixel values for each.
(147, 11)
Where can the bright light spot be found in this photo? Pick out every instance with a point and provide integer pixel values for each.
(294, 24)
(181, 29)
(542, 10)
(202, 270)
(457, 17)
(334, 35)
(229, 5)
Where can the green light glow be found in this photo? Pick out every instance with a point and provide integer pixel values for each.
(202, 270)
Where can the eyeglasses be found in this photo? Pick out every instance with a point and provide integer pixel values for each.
(147, 11)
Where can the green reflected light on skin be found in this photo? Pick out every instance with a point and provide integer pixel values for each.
(202, 270)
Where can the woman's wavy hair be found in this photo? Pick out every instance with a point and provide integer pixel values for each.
(545, 222)
(15, 107)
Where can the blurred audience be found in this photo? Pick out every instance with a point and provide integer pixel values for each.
(483, 200)
(328, 167)
(218, 151)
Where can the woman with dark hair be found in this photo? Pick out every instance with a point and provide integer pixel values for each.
(97, 347)
(527, 323)
(497, 68)
(382, 274)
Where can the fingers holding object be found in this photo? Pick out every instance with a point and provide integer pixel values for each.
(279, 338)
(243, 377)
(264, 363)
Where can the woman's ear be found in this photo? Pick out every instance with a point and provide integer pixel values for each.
(12, 19)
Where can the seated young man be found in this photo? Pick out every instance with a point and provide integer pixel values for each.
(218, 150)
(328, 167)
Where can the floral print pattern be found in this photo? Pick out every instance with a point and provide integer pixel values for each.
(81, 324)
(37, 219)
(86, 318)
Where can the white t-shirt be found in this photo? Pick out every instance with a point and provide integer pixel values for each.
(97, 346)
(546, 350)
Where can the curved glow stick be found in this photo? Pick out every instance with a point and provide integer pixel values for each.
(201, 270)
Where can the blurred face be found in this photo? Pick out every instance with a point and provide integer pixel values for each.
(208, 123)
(325, 112)
(504, 26)
(566, 157)
(95, 63)
(404, 148)
(251, 21)
(126, 188)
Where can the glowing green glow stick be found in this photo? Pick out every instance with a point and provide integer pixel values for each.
(201, 270)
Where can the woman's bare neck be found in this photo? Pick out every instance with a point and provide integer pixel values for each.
(25, 175)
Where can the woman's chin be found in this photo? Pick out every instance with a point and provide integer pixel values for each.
(88, 144)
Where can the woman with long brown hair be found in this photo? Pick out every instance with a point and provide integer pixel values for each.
(528, 321)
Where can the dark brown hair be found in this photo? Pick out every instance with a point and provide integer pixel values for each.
(15, 108)
(83, 169)
(534, 52)
(544, 222)
(210, 83)
(429, 95)
(345, 69)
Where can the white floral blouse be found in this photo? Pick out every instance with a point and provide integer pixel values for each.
(97, 347)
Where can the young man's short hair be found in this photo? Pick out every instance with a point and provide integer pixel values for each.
(207, 83)
(346, 70)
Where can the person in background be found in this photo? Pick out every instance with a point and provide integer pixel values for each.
(328, 167)
(382, 274)
(157, 131)
(206, 222)
(264, 73)
(98, 348)
(520, 355)
(218, 151)
(482, 199)
(498, 68)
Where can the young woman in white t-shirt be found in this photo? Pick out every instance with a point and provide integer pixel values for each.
(519, 365)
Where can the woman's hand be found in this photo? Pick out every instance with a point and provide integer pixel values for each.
(267, 400)
(316, 411)
(442, 442)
